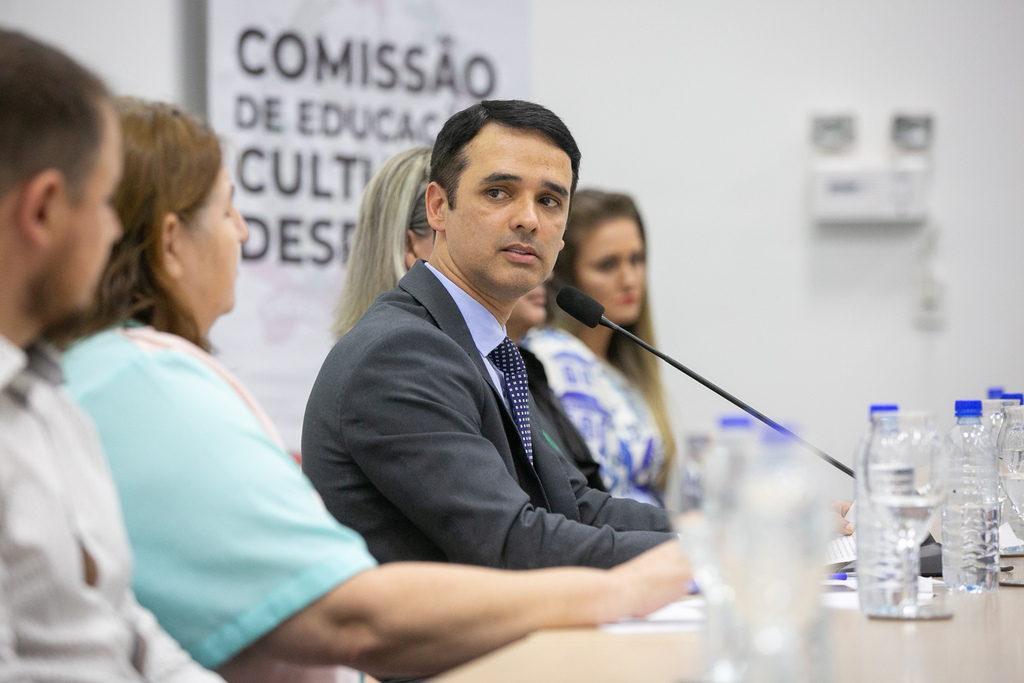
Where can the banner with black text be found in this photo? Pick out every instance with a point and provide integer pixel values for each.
(310, 96)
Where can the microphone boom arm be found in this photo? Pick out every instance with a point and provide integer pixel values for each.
(730, 398)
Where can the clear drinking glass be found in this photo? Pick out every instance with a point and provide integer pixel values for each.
(703, 535)
(758, 550)
(992, 417)
(1010, 446)
(901, 477)
(775, 562)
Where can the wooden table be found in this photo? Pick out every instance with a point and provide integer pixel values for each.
(984, 641)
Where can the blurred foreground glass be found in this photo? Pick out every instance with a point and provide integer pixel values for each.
(1007, 514)
(1010, 447)
(758, 553)
(900, 484)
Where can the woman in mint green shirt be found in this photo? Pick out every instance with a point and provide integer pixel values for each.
(235, 554)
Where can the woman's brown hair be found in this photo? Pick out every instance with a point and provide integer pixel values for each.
(590, 209)
(171, 162)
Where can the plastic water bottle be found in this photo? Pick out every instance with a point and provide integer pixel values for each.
(992, 421)
(684, 488)
(725, 466)
(735, 427)
(1010, 450)
(1009, 516)
(877, 564)
(1016, 399)
(875, 409)
(736, 443)
(992, 415)
(861, 513)
(970, 517)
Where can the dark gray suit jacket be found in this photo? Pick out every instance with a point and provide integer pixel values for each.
(409, 443)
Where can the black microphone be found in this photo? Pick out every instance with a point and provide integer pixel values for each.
(591, 313)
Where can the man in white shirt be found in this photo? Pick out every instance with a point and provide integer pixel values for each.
(67, 611)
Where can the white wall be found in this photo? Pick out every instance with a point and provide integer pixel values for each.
(701, 111)
(154, 49)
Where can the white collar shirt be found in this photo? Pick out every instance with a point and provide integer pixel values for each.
(59, 510)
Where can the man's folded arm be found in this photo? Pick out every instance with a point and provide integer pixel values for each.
(598, 508)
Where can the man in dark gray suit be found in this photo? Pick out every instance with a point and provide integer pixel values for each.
(419, 432)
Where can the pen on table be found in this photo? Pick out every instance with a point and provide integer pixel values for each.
(842, 576)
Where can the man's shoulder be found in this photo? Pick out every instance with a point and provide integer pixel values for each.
(397, 324)
(394, 314)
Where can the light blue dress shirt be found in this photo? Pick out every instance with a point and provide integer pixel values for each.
(485, 329)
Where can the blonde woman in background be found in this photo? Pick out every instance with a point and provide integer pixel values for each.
(609, 387)
(391, 233)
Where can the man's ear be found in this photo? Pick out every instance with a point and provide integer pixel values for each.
(437, 206)
(172, 236)
(43, 207)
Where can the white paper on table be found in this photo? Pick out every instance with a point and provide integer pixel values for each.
(1007, 538)
(842, 549)
(847, 599)
(684, 615)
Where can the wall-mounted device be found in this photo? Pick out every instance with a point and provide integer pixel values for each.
(849, 191)
(849, 187)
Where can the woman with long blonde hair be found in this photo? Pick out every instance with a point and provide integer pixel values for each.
(610, 388)
(391, 233)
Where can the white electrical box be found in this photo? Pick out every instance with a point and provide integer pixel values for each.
(846, 192)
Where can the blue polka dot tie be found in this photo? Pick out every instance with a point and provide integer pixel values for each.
(507, 359)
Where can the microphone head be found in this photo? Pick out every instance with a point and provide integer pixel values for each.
(580, 306)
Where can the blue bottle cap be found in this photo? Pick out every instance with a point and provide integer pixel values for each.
(995, 392)
(968, 408)
(772, 437)
(734, 422)
(1019, 397)
(882, 408)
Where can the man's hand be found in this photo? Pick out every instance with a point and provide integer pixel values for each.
(839, 510)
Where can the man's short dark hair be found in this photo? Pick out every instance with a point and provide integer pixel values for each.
(448, 160)
(50, 113)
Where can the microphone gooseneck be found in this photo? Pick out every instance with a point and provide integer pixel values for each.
(589, 312)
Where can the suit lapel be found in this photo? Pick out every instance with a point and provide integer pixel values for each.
(431, 294)
(428, 290)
